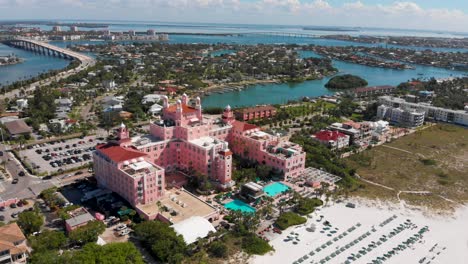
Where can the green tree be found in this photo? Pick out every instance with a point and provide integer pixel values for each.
(346, 81)
(48, 240)
(165, 244)
(124, 253)
(45, 257)
(87, 233)
(30, 221)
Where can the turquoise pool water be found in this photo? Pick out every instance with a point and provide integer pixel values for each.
(275, 188)
(239, 205)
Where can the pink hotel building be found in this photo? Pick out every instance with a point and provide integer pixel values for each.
(185, 139)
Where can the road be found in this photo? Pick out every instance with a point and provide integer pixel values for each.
(29, 186)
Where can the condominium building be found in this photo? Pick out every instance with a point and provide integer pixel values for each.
(359, 132)
(459, 117)
(186, 140)
(56, 29)
(401, 116)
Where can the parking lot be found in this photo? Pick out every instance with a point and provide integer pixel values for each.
(10, 213)
(60, 155)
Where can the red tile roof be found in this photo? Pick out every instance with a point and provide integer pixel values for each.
(185, 109)
(327, 135)
(118, 153)
(226, 153)
(242, 126)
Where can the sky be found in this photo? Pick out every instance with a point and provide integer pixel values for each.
(446, 15)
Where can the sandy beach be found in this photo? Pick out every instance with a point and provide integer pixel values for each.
(363, 234)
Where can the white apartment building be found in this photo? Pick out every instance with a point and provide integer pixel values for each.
(459, 117)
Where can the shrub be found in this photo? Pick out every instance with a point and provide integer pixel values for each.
(252, 244)
(428, 162)
(288, 219)
(218, 249)
(306, 206)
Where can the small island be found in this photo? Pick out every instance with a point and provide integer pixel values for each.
(346, 81)
(9, 60)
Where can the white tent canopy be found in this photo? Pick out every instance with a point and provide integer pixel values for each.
(193, 228)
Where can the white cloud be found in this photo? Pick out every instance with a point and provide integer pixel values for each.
(403, 14)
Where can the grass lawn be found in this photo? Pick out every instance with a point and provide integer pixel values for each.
(434, 159)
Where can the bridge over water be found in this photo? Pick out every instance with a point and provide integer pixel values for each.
(277, 34)
(47, 49)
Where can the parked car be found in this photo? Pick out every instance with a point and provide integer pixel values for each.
(2, 218)
(15, 181)
(121, 227)
(13, 205)
(2, 208)
(124, 232)
(21, 173)
(14, 215)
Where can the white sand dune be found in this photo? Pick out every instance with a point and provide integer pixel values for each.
(447, 237)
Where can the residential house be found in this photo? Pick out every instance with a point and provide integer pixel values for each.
(78, 217)
(109, 84)
(13, 248)
(332, 139)
(358, 132)
(17, 128)
(22, 104)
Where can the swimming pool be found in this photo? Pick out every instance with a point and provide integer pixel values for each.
(275, 188)
(238, 205)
